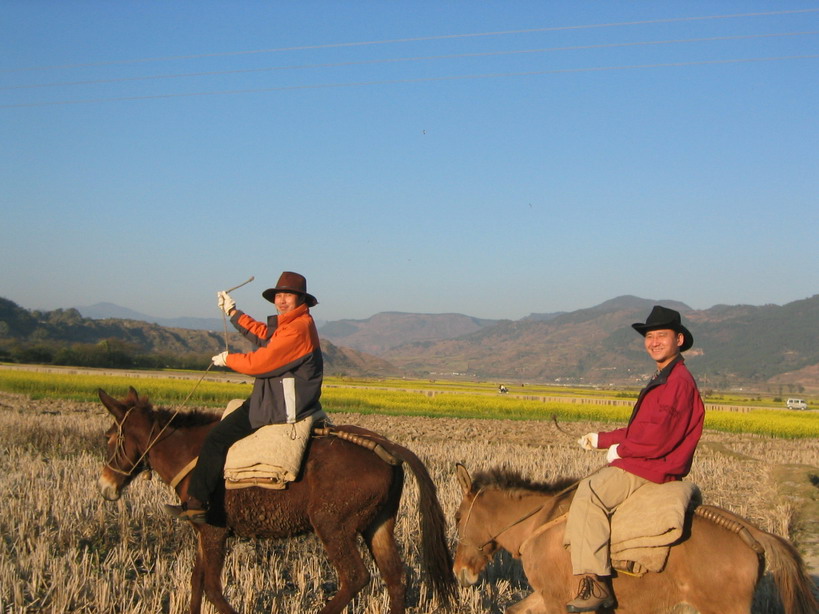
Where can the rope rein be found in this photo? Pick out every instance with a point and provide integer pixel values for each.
(704, 511)
(503, 530)
(119, 448)
(526, 516)
(224, 323)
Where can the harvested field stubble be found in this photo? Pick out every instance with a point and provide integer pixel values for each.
(64, 549)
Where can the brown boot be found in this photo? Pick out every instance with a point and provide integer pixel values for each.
(192, 509)
(593, 593)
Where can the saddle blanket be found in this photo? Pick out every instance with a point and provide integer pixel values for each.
(271, 456)
(646, 524)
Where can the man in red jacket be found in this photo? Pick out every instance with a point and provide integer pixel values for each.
(657, 446)
(288, 368)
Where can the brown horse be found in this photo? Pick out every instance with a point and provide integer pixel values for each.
(711, 571)
(344, 491)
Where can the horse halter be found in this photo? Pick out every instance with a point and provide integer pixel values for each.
(119, 453)
(119, 448)
(503, 530)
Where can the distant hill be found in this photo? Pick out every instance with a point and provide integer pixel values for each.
(63, 327)
(391, 329)
(543, 316)
(778, 345)
(734, 345)
(69, 326)
(105, 311)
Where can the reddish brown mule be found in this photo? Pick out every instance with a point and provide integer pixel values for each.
(344, 491)
(712, 571)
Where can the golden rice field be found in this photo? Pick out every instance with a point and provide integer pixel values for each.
(64, 549)
(408, 398)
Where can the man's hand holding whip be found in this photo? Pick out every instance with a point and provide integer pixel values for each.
(589, 442)
(227, 305)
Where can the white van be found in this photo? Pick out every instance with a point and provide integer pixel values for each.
(796, 404)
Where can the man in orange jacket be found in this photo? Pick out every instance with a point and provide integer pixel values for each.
(657, 446)
(288, 369)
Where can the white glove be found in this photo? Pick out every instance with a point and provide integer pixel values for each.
(612, 455)
(224, 302)
(588, 441)
(220, 360)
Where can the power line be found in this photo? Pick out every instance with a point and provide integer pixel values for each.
(408, 59)
(414, 39)
(407, 81)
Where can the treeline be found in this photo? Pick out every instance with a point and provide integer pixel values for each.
(63, 337)
(108, 353)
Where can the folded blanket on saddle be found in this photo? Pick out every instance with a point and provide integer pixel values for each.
(647, 523)
(271, 456)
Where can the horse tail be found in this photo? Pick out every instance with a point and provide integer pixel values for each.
(775, 553)
(435, 552)
(789, 573)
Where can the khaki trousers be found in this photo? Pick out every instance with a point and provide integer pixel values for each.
(588, 527)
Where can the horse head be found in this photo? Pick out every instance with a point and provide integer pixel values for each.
(475, 544)
(126, 447)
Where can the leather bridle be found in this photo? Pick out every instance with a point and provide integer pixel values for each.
(480, 547)
(119, 447)
(120, 454)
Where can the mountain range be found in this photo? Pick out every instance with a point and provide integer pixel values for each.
(66, 327)
(103, 311)
(735, 345)
(772, 346)
(767, 346)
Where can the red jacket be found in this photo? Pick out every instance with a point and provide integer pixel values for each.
(287, 364)
(659, 442)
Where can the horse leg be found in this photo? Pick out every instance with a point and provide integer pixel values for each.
(211, 553)
(342, 551)
(197, 581)
(380, 540)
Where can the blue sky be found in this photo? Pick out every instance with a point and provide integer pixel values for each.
(494, 159)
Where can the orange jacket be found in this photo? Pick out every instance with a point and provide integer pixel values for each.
(287, 364)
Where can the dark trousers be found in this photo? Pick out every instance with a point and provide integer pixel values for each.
(209, 470)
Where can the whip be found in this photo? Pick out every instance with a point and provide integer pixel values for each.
(224, 315)
(244, 283)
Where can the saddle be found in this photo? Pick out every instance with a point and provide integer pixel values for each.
(648, 523)
(644, 526)
(271, 456)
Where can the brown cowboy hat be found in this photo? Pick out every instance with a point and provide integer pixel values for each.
(294, 283)
(661, 318)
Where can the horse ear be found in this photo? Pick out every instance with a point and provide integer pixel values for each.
(463, 477)
(116, 408)
(133, 395)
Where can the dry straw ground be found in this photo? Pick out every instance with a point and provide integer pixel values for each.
(64, 549)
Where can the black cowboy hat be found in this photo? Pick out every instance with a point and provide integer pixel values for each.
(663, 317)
(293, 283)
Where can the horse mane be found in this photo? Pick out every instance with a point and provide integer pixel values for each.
(186, 419)
(179, 419)
(514, 482)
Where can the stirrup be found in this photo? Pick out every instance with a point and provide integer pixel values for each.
(182, 512)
